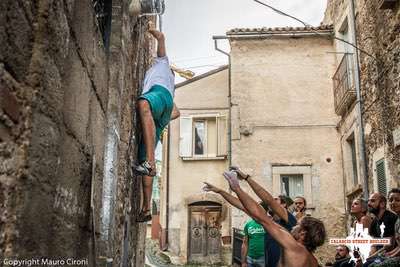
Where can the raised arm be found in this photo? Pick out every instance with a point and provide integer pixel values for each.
(245, 246)
(228, 197)
(263, 194)
(161, 51)
(278, 233)
(175, 112)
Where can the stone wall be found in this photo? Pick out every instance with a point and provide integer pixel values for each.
(62, 95)
(378, 35)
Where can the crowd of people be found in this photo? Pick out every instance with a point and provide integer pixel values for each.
(280, 233)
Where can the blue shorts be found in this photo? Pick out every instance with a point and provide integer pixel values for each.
(161, 105)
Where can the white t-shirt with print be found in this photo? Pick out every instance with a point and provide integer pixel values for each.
(159, 74)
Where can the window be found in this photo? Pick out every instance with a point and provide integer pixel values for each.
(199, 138)
(292, 185)
(103, 11)
(347, 50)
(293, 181)
(203, 136)
(353, 152)
(381, 176)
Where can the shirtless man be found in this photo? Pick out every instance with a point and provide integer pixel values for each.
(278, 209)
(297, 247)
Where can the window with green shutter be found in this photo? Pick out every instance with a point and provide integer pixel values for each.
(381, 176)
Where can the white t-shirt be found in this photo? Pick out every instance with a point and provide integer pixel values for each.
(160, 73)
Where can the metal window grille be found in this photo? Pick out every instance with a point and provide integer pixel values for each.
(103, 11)
(381, 176)
(152, 6)
(237, 245)
(343, 84)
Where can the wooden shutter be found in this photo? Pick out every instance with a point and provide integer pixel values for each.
(222, 136)
(381, 176)
(185, 137)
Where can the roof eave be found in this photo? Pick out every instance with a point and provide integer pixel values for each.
(262, 35)
(202, 76)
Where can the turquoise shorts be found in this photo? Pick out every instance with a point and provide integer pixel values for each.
(161, 105)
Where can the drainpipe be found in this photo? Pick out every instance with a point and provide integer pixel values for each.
(361, 138)
(216, 38)
(165, 247)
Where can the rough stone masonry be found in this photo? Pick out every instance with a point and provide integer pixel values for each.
(64, 94)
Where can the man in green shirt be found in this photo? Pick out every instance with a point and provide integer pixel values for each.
(253, 245)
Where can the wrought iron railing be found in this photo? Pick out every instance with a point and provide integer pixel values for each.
(343, 84)
(237, 246)
(103, 11)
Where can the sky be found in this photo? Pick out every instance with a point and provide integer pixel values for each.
(190, 24)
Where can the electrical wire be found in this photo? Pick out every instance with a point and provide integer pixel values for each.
(283, 13)
(208, 65)
(314, 31)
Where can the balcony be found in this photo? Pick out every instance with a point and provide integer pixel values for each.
(343, 85)
(387, 4)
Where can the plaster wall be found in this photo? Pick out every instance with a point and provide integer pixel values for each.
(283, 116)
(208, 95)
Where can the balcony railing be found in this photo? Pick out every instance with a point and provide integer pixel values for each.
(343, 85)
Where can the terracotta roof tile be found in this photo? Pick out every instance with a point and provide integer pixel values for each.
(266, 30)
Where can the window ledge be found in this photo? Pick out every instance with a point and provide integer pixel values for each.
(203, 158)
(354, 190)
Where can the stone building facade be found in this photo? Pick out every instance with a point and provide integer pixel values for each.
(69, 76)
(197, 225)
(374, 26)
(283, 120)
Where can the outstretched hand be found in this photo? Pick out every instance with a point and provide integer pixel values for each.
(210, 188)
(240, 173)
(153, 31)
(232, 179)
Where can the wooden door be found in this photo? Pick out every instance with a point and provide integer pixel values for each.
(196, 235)
(204, 234)
(213, 227)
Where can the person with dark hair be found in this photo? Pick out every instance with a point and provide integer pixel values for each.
(392, 258)
(252, 251)
(358, 210)
(300, 205)
(278, 207)
(342, 257)
(156, 109)
(383, 225)
(296, 247)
